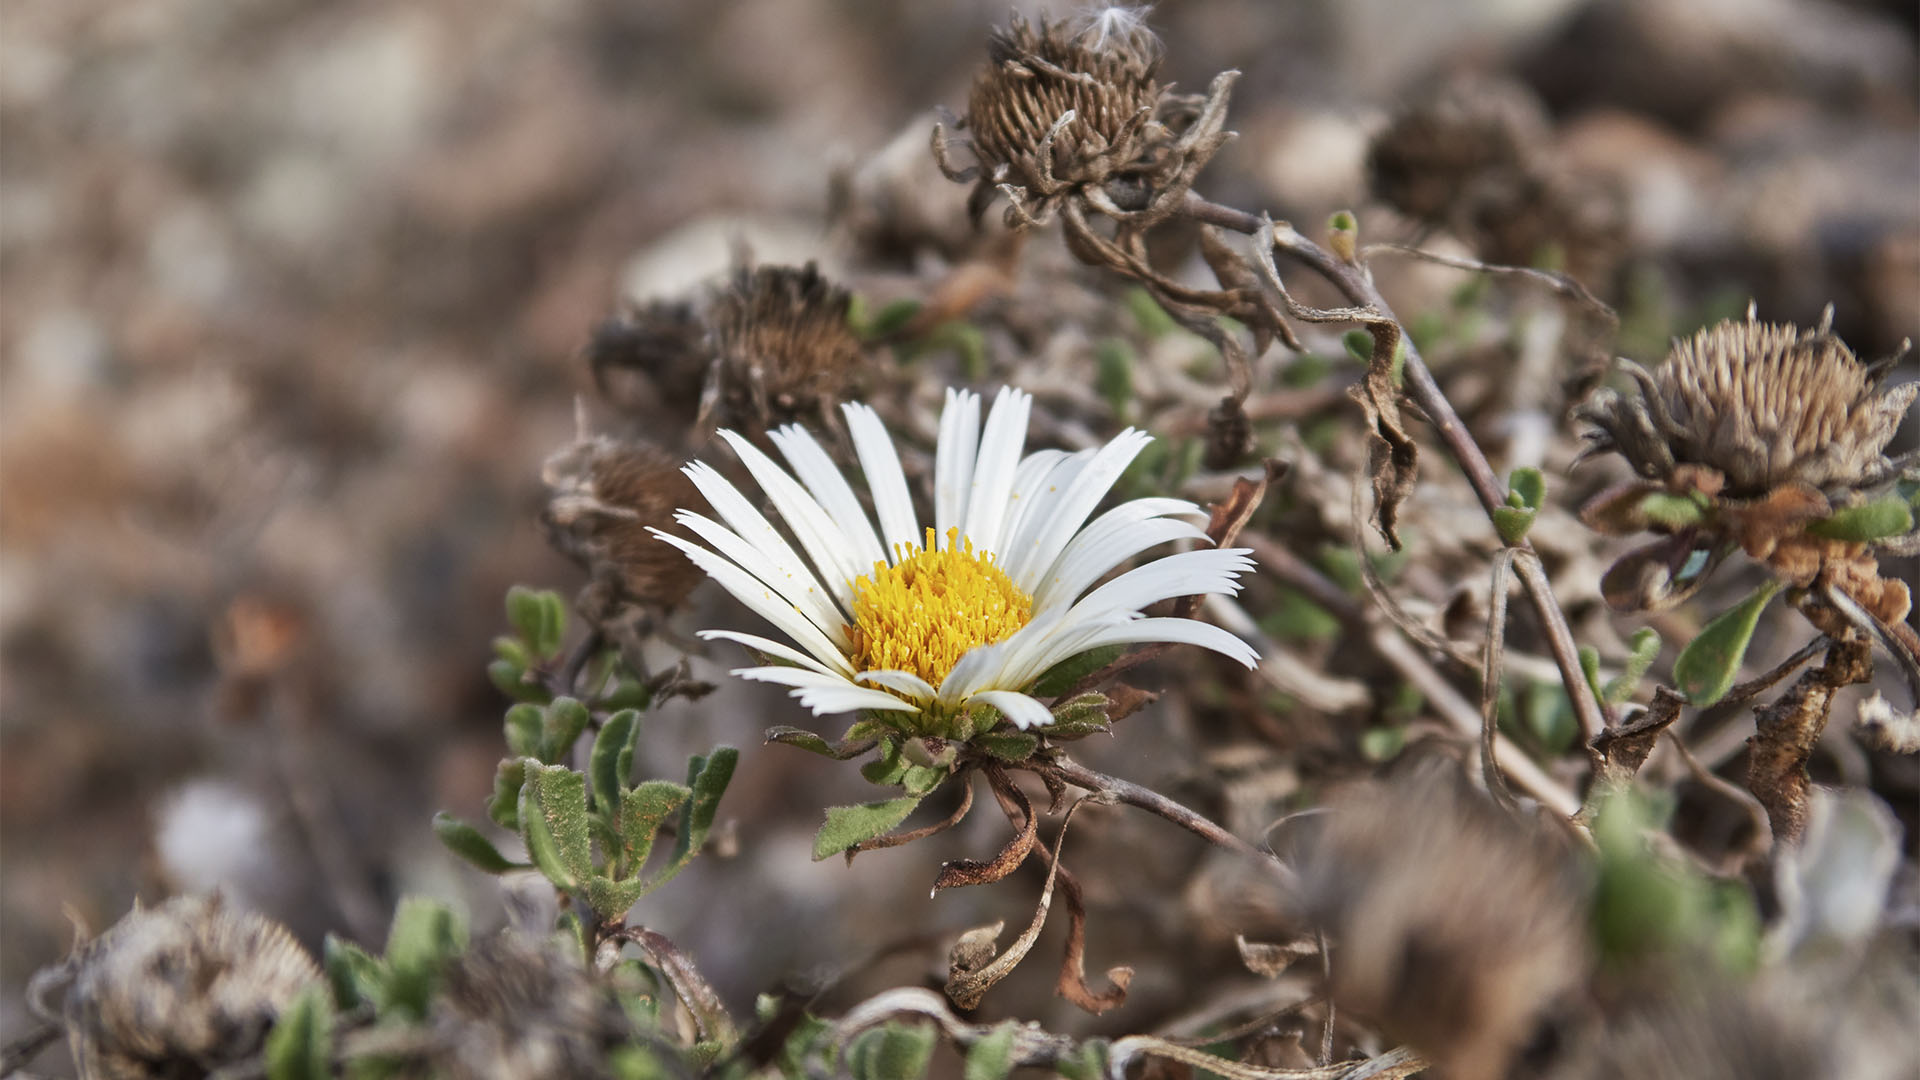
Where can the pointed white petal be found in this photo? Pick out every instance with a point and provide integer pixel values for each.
(993, 471)
(1097, 550)
(1183, 631)
(822, 477)
(760, 596)
(825, 543)
(807, 597)
(1027, 481)
(1089, 487)
(793, 579)
(953, 461)
(1184, 573)
(1042, 506)
(827, 693)
(905, 682)
(891, 500)
(1024, 711)
(767, 646)
(789, 676)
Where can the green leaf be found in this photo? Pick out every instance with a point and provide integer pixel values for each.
(300, 1047)
(640, 1063)
(1007, 745)
(565, 720)
(356, 976)
(540, 616)
(1148, 315)
(1549, 715)
(1294, 616)
(511, 680)
(887, 768)
(1672, 511)
(1645, 650)
(1113, 374)
(1530, 485)
(1086, 712)
(849, 825)
(553, 822)
(1342, 221)
(1863, 524)
(814, 743)
(1706, 668)
(1590, 667)
(611, 899)
(1060, 677)
(425, 935)
(991, 1058)
(922, 779)
(1088, 1062)
(1512, 522)
(627, 693)
(642, 810)
(708, 777)
(1382, 743)
(466, 841)
(504, 807)
(610, 766)
(891, 1052)
(889, 319)
(523, 726)
(513, 651)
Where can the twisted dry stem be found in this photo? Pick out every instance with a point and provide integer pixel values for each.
(1356, 284)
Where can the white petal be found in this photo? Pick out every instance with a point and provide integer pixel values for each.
(953, 461)
(822, 477)
(1042, 504)
(905, 682)
(1024, 711)
(794, 579)
(1027, 482)
(1184, 573)
(1089, 487)
(827, 693)
(985, 667)
(808, 598)
(760, 596)
(993, 471)
(825, 543)
(891, 500)
(768, 646)
(1100, 547)
(789, 676)
(1183, 631)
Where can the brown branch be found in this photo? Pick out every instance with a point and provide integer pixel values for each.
(1786, 731)
(1154, 803)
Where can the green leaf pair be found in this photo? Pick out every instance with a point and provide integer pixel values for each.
(1526, 493)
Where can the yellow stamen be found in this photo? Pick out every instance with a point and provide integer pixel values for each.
(922, 614)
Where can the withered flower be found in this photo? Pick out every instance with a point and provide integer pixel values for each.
(178, 990)
(782, 346)
(1452, 924)
(1063, 111)
(653, 355)
(1749, 435)
(606, 495)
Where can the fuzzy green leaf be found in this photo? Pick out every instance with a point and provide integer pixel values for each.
(1646, 649)
(467, 842)
(849, 825)
(891, 1052)
(922, 779)
(1113, 376)
(1863, 524)
(1528, 483)
(1672, 511)
(553, 822)
(611, 899)
(523, 726)
(1706, 668)
(610, 766)
(1007, 745)
(356, 976)
(814, 743)
(540, 617)
(513, 651)
(300, 1047)
(708, 777)
(991, 1058)
(886, 769)
(565, 720)
(642, 810)
(511, 679)
(1059, 678)
(1590, 667)
(424, 936)
(504, 807)
(1512, 522)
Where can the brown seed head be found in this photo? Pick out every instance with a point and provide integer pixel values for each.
(1447, 148)
(651, 356)
(1762, 404)
(606, 495)
(784, 342)
(180, 989)
(1453, 924)
(1104, 74)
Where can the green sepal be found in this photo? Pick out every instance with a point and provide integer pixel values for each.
(300, 1046)
(1007, 745)
(467, 842)
(892, 1051)
(1886, 516)
(553, 822)
(1645, 648)
(355, 976)
(814, 743)
(1706, 668)
(922, 779)
(540, 616)
(565, 720)
(991, 1056)
(610, 765)
(849, 825)
(886, 769)
(424, 936)
(1060, 678)
(508, 779)
(1513, 522)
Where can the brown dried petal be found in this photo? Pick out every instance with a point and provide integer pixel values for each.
(1663, 574)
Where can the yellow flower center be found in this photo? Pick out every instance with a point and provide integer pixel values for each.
(922, 614)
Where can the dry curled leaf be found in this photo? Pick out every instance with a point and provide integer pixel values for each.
(1392, 458)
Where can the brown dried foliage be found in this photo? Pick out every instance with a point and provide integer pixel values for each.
(606, 495)
(782, 346)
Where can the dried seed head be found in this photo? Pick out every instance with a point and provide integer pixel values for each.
(1103, 73)
(512, 1009)
(1763, 405)
(783, 341)
(651, 356)
(180, 989)
(1453, 925)
(1442, 150)
(606, 495)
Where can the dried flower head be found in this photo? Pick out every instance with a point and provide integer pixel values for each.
(922, 626)
(513, 1009)
(782, 345)
(1746, 435)
(179, 990)
(1453, 924)
(1077, 110)
(652, 356)
(606, 495)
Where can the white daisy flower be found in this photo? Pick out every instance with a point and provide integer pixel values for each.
(976, 608)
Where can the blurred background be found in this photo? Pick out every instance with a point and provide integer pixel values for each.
(292, 304)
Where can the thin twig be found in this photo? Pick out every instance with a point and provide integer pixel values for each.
(1155, 803)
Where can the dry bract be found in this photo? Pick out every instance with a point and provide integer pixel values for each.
(606, 495)
(782, 345)
(179, 990)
